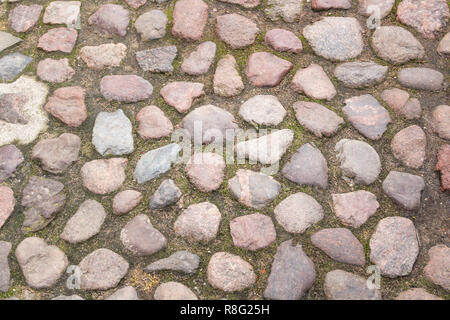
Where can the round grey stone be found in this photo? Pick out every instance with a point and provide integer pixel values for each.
(151, 25)
(342, 285)
(181, 261)
(166, 194)
(360, 74)
(404, 188)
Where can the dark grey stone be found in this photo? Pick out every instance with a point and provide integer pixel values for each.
(404, 188)
(166, 194)
(181, 261)
(12, 65)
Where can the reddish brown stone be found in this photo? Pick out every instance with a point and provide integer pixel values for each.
(7, 203)
(330, 4)
(206, 171)
(104, 176)
(125, 88)
(227, 81)
(266, 70)
(136, 3)
(440, 121)
(443, 165)
(354, 208)
(283, 40)
(437, 269)
(58, 39)
(189, 19)
(400, 101)
(55, 71)
(126, 201)
(67, 104)
(253, 231)
(409, 146)
(23, 18)
(181, 94)
(416, 294)
(111, 19)
(153, 123)
(314, 82)
(236, 30)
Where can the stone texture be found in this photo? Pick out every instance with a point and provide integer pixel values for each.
(342, 285)
(199, 222)
(384, 6)
(12, 65)
(440, 121)
(298, 212)
(141, 238)
(426, 16)
(313, 82)
(244, 3)
(85, 223)
(7, 40)
(10, 108)
(283, 41)
(103, 56)
(335, 38)
(416, 294)
(252, 232)
(442, 165)
(58, 39)
(166, 194)
(111, 19)
(235, 30)
(135, 4)
(125, 293)
(63, 12)
(263, 110)
(22, 18)
(230, 273)
(253, 189)
(153, 123)
(404, 188)
(10, 158)
(400, 101)
(180, 261)
(288, 10)
(394, 246)
(181, 94)
(266, 70)
(7, 204)
(151, 25)
(125, 201)
(316, 118)
(437, 269)
(360, 74)
(444, 44)
(200, 60)
(354, 208)
(421, 79)
(292, 273)
(102, 269)
(5, 274)
(105, 175)
(227, 81)
(156, 162)
(67, 104)
(57, 155)
(174, 291)
(340, 245)
(125, 88)
(189, 19)
(307, 167)
(206, 171)
(157, 59)
(367, 115)
(55, 71)
(359, 161)
(331, 4)
(113, 134)
(396, 45)
(41, 264)
(409, 146)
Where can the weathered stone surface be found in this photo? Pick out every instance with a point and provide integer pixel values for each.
(141, 238)
(316, 118)
(394, 246)
(335, 38)
(157, 59)
(103, 56)
(244, 3)
(153, 123)
(426, 16)
(409, 146)
(354, 208)
(283, 40)
(199, 222)
(437, 269)
(10, 108)
(288, 10)
(236, 30)
(113, 134)
(444, 45)
(58, 39)
(68, 298)
(253, 231)
(42, 264)
(359, 161)
(210, 123)
(253, 189)
(125, 293)
(263, 110)
(10, 158)
(292, 273)
(5, 274)
(7, 203)
(56, 155)
(67, 104)
(12, 65)
(200, 60)
(85, 223)
(396, 45)
(404, 188)
(126, 201)
(63, 12)
(174, 291)
(104, 176)
(102, 269)
(367, 7)
(360, 74)
(313, 82)
(166, 194)
(111, 19)
(181, 94)
(298, 212)
(136, 3)
(416, 294)
(340, 245)
(206, 171)
(440, 121)
(230, 273)
(342, 285)
(189, 19)
(421, 78)
(367, 115)
(331, 4)
(55, 71)
(125, 88)
(400, 101)
(151, 25)
(442, 165)
(227, 81)
(307, 167)
(7, 40)
(181, 261)
(266, 70)
(23, 18)
(156, 162)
